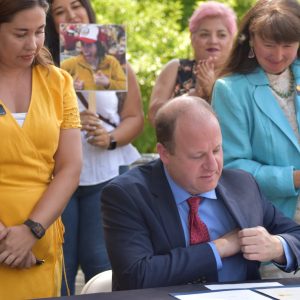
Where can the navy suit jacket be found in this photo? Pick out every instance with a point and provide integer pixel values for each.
(144, 235)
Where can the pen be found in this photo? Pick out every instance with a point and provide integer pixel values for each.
(39, 262)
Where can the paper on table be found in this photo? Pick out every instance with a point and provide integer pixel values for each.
(284, 293)
(241, 285)
(222, 295)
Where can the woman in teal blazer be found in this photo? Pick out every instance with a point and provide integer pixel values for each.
(260, 130)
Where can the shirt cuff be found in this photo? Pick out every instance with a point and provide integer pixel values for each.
(217, 255)
(289, 256)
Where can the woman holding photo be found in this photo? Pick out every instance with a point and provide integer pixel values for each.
(106, 146)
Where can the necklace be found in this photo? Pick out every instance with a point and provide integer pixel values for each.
(290, 91)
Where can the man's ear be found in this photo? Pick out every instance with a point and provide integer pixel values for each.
(163, 153)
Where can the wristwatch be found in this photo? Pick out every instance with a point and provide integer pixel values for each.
(112, 143)
(36, 228)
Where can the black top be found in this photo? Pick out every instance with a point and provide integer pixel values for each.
(185, 80)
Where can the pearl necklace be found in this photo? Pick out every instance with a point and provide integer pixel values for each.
(290, 91)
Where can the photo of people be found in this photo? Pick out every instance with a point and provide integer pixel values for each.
(94, 55)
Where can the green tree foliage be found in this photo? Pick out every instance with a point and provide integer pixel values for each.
(156, 32)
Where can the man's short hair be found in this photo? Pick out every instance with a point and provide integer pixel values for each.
(169, 113)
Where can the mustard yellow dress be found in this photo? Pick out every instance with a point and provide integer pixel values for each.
(109, 66)
(26, 166)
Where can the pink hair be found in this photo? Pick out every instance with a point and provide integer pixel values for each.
(211, 9)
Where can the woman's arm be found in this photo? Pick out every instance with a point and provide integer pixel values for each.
(164, 88)
(132, 115)
(66, 178)
(297, 179)
(17, 245)
(132, 118)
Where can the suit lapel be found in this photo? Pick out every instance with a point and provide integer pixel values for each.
(165, 206)
(264, 99)
(296, 72)
(240, 195)
(231, 204)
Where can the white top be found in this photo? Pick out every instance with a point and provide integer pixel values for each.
(20, 118)
(100, 165)
(282, 83)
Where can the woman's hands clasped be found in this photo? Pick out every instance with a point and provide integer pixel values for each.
(204, 71)
(101, 79)
(16, 243)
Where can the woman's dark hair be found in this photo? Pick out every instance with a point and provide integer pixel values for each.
(52, 36)
(121, 33)
(9, 8)
(101, 51)
(274, 20)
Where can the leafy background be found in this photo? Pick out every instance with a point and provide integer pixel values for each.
(157, 31)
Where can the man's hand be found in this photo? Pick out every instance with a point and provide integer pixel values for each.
(258, 244)
(228, 244)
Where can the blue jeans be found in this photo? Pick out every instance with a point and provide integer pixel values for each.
(84, 242)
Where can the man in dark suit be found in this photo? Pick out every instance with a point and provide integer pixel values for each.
(148, 225)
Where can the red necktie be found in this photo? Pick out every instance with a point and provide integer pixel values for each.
(198, 230)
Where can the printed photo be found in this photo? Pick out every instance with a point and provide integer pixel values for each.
(94, 55)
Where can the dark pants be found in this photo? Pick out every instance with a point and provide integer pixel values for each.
(84, 242)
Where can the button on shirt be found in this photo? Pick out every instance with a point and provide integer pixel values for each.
(219, 221)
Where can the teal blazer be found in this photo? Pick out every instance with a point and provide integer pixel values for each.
(257, 136)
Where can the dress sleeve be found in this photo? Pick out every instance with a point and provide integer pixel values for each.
(71, 118)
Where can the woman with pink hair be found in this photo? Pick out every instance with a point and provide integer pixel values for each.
(212, 29)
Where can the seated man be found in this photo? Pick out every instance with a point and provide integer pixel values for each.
(154, 239)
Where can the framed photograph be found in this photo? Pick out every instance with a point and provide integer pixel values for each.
(95, 56)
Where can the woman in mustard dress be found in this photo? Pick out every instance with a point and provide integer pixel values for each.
(40, 154)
